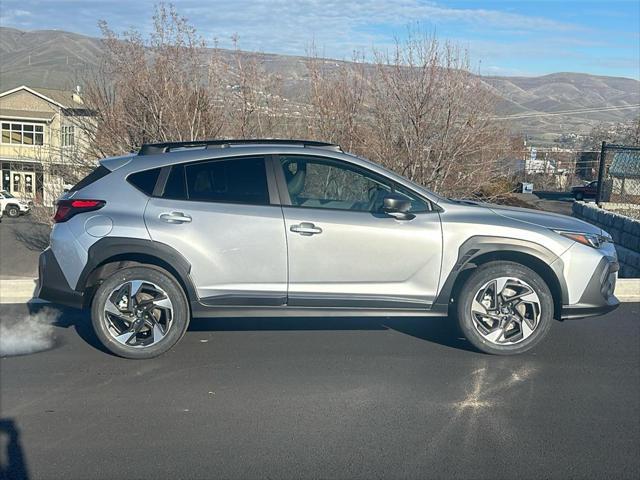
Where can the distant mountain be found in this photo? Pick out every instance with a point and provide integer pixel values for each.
(57, 59)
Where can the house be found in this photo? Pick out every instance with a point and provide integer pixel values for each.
(41, 135)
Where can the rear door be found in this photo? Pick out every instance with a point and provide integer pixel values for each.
(220, 216)
(343, 250)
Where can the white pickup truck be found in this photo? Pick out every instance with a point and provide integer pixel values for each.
(13, 206)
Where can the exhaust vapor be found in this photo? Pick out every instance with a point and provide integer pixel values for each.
(28, 333)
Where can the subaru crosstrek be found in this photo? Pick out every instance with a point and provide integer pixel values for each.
(258, 228)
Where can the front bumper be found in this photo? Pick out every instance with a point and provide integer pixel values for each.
(52, 284)
(598, 298)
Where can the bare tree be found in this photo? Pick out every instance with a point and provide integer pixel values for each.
(253, 95)
(431, 119)
(166, 88)
(337, 93)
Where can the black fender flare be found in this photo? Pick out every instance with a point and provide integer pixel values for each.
(120, 248)
(502, 248)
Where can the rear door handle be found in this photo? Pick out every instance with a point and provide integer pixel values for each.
(306, 229)
(175, 217)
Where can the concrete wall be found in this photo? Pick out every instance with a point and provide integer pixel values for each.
(624, 230)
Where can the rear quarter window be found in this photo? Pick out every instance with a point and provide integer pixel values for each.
(145, 181)
(94, 176)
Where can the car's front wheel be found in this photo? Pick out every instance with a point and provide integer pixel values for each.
(505, 308)
(140, 312)
(13, 211)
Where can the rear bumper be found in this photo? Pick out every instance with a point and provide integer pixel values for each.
(52, 284)
(598, 297)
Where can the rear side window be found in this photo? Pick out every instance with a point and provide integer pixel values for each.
(94, 176)
(145, 180)
(242, 180)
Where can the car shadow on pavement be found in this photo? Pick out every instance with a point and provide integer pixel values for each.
(440, 330)
(12, 460)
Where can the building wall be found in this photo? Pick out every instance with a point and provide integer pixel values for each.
(47, 158)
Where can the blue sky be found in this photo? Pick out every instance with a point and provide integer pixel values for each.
(503, 37)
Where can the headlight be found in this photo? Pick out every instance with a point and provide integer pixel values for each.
(589, 239)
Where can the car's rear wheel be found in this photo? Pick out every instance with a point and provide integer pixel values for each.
(140, 312)
(505, 308)
(579, 196)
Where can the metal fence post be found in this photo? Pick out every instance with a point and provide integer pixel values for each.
(601, 173)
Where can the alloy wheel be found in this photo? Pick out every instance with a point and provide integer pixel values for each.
(138, 313)
(505, 311)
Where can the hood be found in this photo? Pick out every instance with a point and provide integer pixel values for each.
(552, 221)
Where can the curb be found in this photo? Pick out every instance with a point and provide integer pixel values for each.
(628, 289)
(20, 290)
(17, 290)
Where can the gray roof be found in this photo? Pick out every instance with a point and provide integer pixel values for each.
(625, 164)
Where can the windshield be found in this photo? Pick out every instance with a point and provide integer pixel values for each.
(7, 194)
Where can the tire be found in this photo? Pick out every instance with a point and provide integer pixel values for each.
(163, 312)
(493, 323)
(579, 196)
(13, 211)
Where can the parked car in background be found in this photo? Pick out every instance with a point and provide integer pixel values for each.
(260, 228)
(14, 206)
(588, 190)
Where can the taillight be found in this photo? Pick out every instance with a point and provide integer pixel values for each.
(68, 208)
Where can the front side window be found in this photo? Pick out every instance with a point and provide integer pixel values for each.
(240, 180)
(325, 183)
(22, 133)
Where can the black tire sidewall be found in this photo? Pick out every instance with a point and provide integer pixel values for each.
(13, 212)
(497, 269)
(579, 196)
(158, 276)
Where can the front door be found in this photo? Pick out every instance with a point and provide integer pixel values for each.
(219, 216)
(23, 184)
(344, 251)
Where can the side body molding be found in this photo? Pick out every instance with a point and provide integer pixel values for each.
(118, 247)
(503, 249)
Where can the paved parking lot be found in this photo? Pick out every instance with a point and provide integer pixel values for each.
(323, 398)
(21, 241)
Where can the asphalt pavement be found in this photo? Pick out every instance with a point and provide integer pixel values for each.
(21, 241)
(321, 398)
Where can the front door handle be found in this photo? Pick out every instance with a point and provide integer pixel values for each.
(306, 229)
(175, 217)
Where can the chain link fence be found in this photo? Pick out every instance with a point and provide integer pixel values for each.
(619, 178)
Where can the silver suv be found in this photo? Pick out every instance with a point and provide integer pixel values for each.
(299, 228)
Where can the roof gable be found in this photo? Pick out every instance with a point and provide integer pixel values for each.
(55, 97)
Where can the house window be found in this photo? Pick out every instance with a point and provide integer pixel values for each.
(22, 133)
(68, 136)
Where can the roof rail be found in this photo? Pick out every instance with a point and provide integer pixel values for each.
(164, 147)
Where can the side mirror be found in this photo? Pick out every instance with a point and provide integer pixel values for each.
(397, 206)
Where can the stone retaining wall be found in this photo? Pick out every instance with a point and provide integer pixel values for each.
(624, 230)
